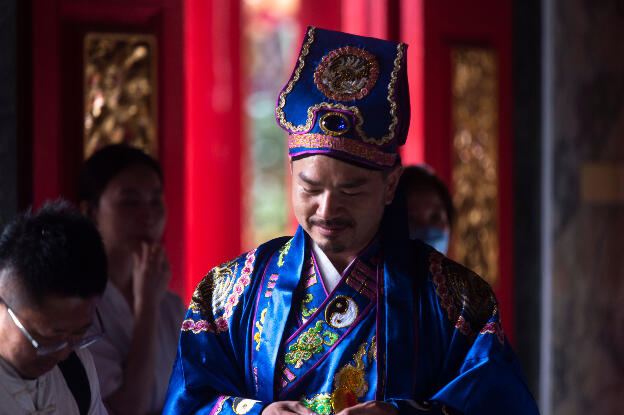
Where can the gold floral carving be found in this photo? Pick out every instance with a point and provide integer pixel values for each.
(120, 91)
(475, 160)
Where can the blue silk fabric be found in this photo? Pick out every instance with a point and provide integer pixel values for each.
(404, 325)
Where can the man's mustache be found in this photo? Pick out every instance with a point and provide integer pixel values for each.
(331, 223)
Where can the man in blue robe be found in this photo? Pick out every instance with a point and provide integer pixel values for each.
(348, 316)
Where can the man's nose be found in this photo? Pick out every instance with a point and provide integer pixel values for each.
(63, 353)
(329, 205)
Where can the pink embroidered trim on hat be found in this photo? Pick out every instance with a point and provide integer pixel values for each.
(346, 73)
(345, 145)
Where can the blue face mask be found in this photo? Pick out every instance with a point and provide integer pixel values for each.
(436, 237)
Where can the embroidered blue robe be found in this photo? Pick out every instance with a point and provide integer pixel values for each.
(404, 325)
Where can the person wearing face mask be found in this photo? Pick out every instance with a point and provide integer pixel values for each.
(121, 190)
(430, 210)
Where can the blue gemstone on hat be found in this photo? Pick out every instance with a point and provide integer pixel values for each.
(335, 123)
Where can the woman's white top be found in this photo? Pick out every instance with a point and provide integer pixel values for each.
(111, 352)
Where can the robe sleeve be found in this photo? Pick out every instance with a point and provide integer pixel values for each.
(481, 374)
(209, 372)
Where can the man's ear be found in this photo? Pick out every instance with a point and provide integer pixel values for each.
(391, 182)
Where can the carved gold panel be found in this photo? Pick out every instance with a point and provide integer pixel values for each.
(475, 159)
(120, 91)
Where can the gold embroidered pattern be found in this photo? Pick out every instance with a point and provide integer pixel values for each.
(283, 252)
(468, 300)
(372, 352)
(347, 145)
(260, 326)
(310, 343)
(217, 295)
(210, 295)
(391, 95)
(350, 383)
(219, 405)
(304, 310)
(305, 49)
(494, 328)
(463, 326)
(279, 111)
(193, 306)
(242, 406)
(346, 73)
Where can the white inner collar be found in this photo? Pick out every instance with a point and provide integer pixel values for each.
(329, 273)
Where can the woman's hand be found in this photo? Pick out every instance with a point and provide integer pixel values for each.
(150, 275)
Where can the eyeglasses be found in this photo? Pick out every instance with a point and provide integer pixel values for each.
(45, 349)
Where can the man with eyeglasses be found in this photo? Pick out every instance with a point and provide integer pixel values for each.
(52, 274)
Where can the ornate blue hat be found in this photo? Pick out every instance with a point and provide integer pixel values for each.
(347, 97)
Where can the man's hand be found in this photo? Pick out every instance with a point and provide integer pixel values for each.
(287, 407)
(370, 408)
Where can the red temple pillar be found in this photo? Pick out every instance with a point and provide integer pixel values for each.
(212, 136)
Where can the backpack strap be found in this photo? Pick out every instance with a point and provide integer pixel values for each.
(76, 378)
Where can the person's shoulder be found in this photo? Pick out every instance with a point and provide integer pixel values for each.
(86, 358)
(246, 261)
(232, 277)
(173, 305)
(171, 299)
(96, 406)
(467, 298)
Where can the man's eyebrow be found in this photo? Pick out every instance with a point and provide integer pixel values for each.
(83, 328)
(309, 181)
(346, 185)
(354, 183)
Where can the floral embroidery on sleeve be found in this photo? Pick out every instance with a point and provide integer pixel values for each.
(468, 300)
(217, 295)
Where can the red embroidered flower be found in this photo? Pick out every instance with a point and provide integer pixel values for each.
(187, 324)
(222, 324)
